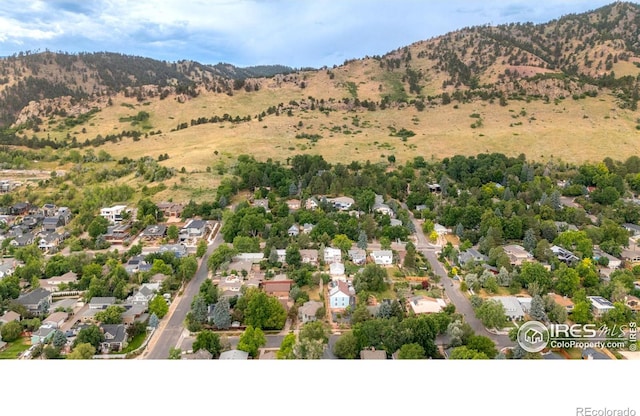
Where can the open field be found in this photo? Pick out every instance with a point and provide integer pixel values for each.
(572, 131)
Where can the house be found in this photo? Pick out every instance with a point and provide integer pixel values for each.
(179, 250)
(593, 354)
(21, 208)
(117, 234)
(512, 307)
(613, 262)
(471, 256)
(170, 209)
(201, 354)
(7, 267)
(49, 241)
(194, 229)
(633, 229)
(373, 354)
(562, 226)
(564, 255)
(441, 230)
(154, 232)
(357, 256)
(421, 207)
(115, 337)
(600, 305)
(144, 295)
(517, 254)
(36, 302)
(382, 257)
(293, 204)
(336, 269)
(311, 203)
(113, 214)
(343, 203)
(234, 355)
(434, 187)
(133, 314)
(341, 295)
(332, 255)
(137, 264)
(282, 255)
(632, 303)
(563, 301)
(100, 303)
(264, 203)
(307, 312)
(22, 240)
(630, 256)
(9, 316)
(294, 230)
(53, 223)
(277, 288)
(424, 304)
(230, 285)
(307, 228)
(56, 319)
(309, 256)
(43, 334)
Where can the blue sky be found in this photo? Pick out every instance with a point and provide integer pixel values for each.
(297, 33)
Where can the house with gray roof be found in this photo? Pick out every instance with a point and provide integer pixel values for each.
(512, 307)
(115, 338)
(101, 302)
(307, 312)
(43, 334)
(234, 355)
(179, 250)
(154, 232)
(37, 301)
(471, 256)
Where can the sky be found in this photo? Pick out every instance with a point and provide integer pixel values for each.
(296, 33)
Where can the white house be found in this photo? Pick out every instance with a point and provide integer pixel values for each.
(600, 305)
(342, 203)
(517, 254)
(113, 214)
(614, 262)
(358, 256)
(341, 295)
(382, 257)
(441, 229)
(332, 255)
(282, 255)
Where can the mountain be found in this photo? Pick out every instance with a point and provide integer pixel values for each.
(576, 76)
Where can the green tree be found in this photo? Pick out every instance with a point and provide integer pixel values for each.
(346, 346)
(371, 279)
(245, 244)
(209, 292)
(581, 313)
(293, 256)
(482, 344)
(221, 314)
(362, 240)
(83, 351)
(286, 347)
(208, 340)
(175, 353)
(411, 351)
(201, 248)
(308, 349)
(220, 255)
(315, 330)
(464, 353)
(98, 227)
(158, 306)
(491, 314)
(59, 340)
(567, 280)
(11, 331)
(111, 315)
(199, 309)
(89, 335)
(173, 232)
(385, 243)
(187, 268)
(537, 311)
(251, 340)
(342, 242)
(263, 311)
(410, 256)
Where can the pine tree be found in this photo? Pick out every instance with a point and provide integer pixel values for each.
(362, 240)
(529, 242)
(537, 309)
(153, 320)
(221, 315)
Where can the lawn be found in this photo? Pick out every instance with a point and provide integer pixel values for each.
(135, 343)
(15, 348)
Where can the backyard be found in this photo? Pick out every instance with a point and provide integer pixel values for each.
(15, 348)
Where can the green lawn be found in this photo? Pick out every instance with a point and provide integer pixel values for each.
(134, 344)
(14, 349)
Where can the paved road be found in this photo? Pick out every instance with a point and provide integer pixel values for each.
(169, 335)
(457, 298)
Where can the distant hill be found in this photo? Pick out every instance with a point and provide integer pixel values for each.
(544, 83)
